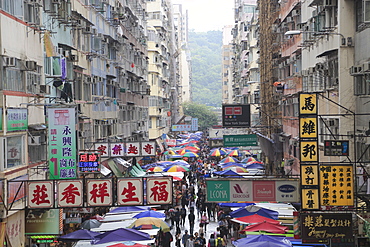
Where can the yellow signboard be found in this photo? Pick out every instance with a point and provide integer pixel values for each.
(310, 199)
(309, 151)
(336, 185)
(309, 175)
(308, 104)
(308, 127)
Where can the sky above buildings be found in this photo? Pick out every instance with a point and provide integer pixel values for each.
(208, 15)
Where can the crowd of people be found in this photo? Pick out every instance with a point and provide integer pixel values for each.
(190, 206)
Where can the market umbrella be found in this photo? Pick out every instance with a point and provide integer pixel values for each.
(150, 213)
(230, 164)
(155, 169)
(176, 168)
(128, 209)
(128, 244)
(226, 173)
(256, 218)
(150, 223)
(122, 234)
(229, 159)
(97, 217)
(92, 223)
(169, 152)
(82, 234)
(253, 209)
(254, 166)
(235, 153)
(268, 244)
(190, 155)
(217, 152)
(259, 238)
(236, 169)
(266, 227)
(249, 159)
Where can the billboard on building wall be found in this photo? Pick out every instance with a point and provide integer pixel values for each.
(17, 119)
(42, 222)
(236, 115)
(62, 143)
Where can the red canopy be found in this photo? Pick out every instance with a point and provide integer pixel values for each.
(267, 227)
(256, 218)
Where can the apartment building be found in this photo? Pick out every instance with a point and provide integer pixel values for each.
(88, 57)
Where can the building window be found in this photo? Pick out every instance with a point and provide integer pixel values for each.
(14, 156)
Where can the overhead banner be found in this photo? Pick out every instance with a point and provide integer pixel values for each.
(62, 143)
(234, 190)
(240, 140)
(128, 149)
(98, 192)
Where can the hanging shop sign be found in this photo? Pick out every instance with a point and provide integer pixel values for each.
(322, 227)
(234, 190)
(309, 151)
(17, 119)
(127, 149)
(182, 127)
(336, 148)
(236, 116)
(62, 143)
(98, 192)
(42, 222)
(308, 127)
(307, 104)
(240, 140)
(89, 162)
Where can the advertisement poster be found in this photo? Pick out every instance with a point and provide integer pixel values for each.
(17, 119)
(42, 222)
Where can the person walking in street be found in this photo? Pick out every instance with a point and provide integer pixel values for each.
(191, 218)
(204, 221)
(185, 238)
(183, 216)
(212, 241)
(177, 218)
(220, 242)
(190, 242)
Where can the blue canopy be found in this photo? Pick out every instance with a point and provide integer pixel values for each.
(129, 209)
(260, 238)
(251, 209)
(82, 234)
(122, 234)
(268, 244)
(227, 173)
(150, 213)
(230, 164)
(254, 166)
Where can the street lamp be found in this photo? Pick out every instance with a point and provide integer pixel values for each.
(297, 32)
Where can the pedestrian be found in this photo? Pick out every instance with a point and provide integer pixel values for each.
(212, 241)
(177, 217)
(220, 241)
(191, 218)
(167, 239)
(178, 240)
(205, 221)
(201, 229)
(190, 242)
(203, 239)
(185, 238)
(183, 216)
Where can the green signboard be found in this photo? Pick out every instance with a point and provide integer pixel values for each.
(240, 140)
(17, 119)
(218, 190)
(62, 143)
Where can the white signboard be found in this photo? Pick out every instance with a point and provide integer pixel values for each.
(133, 149)
(40, 194)
(219, 133)
(241, 190)
(117, 149)
(103, 148)
(287, 191)
(148, 148)
(159, 190)
(99, 192)
(70, 193)
(130, 191)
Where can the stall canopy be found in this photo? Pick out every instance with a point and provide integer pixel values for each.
(253, 209)
(122, 234)
(82, 234)
(259, 238)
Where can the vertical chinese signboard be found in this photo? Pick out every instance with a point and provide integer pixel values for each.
(337, 185)
(89, 162)
(62, 143)
(309, 152)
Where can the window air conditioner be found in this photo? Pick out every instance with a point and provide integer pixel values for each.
(33, 140)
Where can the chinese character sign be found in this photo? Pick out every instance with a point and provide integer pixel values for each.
(148, 148)
(17, 119)
(103, 149)
(133, 149)
(336, 184)
(309, 175)
(62, 143)
(117, 150)
(70, 193)
(89, 162)
(99, 192)
(40, 194)
(308, 127)
(159, 190)
(308, 104)
(310, 199)
(130, 191)
(309, 151)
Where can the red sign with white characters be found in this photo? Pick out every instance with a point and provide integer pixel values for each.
(133, 149)
(147, 148)
(117, 150)
(130, 191)
(99, 192)
(159, 190)
(103, 148)
(40, 194)
(264, 191)
(70, 193)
